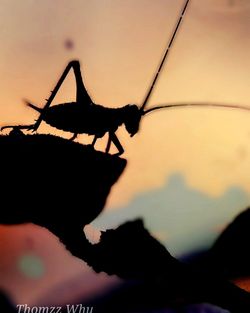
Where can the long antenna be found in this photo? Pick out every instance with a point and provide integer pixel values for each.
(165, 55)
(202, 104)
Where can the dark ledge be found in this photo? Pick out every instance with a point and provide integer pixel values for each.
(54, 182)
(63, 185)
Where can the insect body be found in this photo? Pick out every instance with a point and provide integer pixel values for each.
(83, 116)
(94, 120)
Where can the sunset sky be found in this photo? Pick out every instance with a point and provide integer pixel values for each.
(119, 44)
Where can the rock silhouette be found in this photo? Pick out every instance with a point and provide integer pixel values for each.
(230, 254)
(5, 305)
(159, 279)
(130, 252)
(47, 173)
(41, 173)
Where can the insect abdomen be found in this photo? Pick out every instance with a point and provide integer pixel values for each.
(75, 118)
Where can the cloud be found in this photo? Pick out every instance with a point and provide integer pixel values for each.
(184, 217)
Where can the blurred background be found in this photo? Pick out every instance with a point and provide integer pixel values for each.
(187, 172)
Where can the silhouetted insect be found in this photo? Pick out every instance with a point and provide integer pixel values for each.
(84, 116)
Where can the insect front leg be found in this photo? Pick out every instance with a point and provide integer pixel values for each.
(108, 144)
(73, 137)
(113, 138)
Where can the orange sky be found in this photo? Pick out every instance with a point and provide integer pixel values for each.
(119, 44)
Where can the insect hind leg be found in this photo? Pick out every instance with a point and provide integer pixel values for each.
(28, 127)
(82, 95)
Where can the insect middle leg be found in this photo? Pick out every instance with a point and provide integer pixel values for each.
(94, 141)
